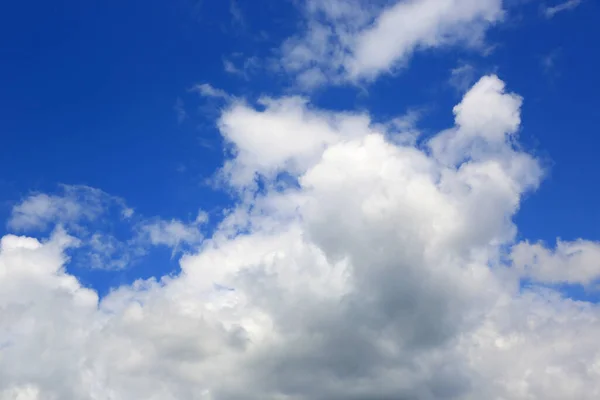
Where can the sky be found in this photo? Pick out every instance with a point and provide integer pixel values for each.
(301, 199)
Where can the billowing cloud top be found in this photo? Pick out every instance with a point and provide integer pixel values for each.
(376, 269)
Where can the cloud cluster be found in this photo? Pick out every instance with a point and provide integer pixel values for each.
(355, 266)
(575, 262)
(75, 203)
(110, 235)
(348, 40)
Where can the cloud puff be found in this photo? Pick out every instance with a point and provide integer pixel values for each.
(570, 262)
(348, 40)
(376, 270)
(171, 233)
(286, 136)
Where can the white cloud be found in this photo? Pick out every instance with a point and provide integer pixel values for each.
(377, 273)
(462, 77)
(244, 66)
(207, 90)
(485, 118)
(73, 204)
(128, 212)
(171, 233)
(104, 251)
(570, 262)
(202, 217)
(486, 110)
(286, 136)
(352, 40)
(88, 213)
(550, 12)
(407, 25)
(82, 211)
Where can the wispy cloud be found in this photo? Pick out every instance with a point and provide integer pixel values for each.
(72, 205)
(551, 11)
(230, 68)
(243, 68)
(207, 90)
(179, 108)
(171, 233)
(109, 234)
(548, 62)
(462, 77)
(236, 14)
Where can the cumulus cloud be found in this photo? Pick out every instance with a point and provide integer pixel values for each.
(570, 262)
(485, 119)
(377, 270)
(349, 40)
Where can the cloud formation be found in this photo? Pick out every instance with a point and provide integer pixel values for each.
(462, 77)
(73, 204)
(170, 233)
(207, 90)
(550, 12)
(377, 268)
(575, 262)
(348, 40)
(109, 234)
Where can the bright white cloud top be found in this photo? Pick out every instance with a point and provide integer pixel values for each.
(383, 271)
(352, 40)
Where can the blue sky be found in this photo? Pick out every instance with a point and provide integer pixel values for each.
(137, 128)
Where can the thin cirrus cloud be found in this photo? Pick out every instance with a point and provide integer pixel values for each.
(369, 277)
(551, 11)
(462, 77)
(207, 90)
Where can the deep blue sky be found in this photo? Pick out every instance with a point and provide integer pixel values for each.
(88, 93)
